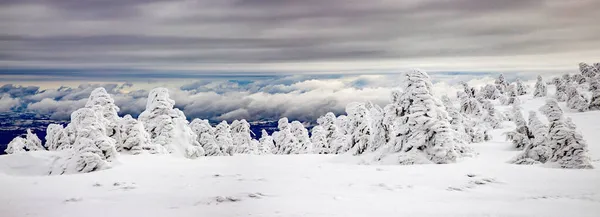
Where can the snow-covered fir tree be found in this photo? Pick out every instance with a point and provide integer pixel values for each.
(521, 136)
(285, 141)
(224, 138)
(501, 83)
(168, 126)
(520, 87)
(92, 150)
(318, 138)
(31, 142)
(332, 133)
(587, 70)
(206, 137)
(266, 143)
(569, 149)
(595, 89)
(134, 139)
(491, 116)
(301, 134)
(469, 105)
(538, 150)
(240, 133)
(490, 91)
(511, 93)
(541, 90)
(56, 138)
(360, 128)
(379, 130)
(103, 104)
(422, 133)
(575, 100)
(561, 90)
(343, 124)
(579, 78)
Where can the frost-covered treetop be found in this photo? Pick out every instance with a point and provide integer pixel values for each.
(159, 98)
(283, 123)
(417, 80)
(552, 110)
(100, 97)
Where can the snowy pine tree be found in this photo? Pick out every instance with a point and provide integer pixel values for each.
(103, 104)
(332, 133)
(342, 145)
(501, 83)
(301, 134)
(575, 100)
(319, 140)
(595, 101)
(380, 132)
(587, 70)
(521, 136)
(240, 132)
(360, 128)
(511, 93)
(422, 133)
(285, 141)
(31, 142)
(134, 139)
(520, 87)
(206, 137)
(469, 105)
(569, 149)
(538, 150)
(490, 91)
(561, 90)
(56, 138)
(224, 138)
(266, 143)
(92, 150)
(168, 126)
(540, 88)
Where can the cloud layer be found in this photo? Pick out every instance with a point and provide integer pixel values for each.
(253, 36)
(301, 97)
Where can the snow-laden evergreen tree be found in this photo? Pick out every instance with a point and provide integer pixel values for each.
(541, 90)
(332, 133)
(343, 125)
(511, 93)
(569, 149)
(595, 101)
(104, 105)
(587, 70)
(301, 134)
(422, 133)
(240, 132)
(135, 139)
(556, 81)
(538, 151)
(579, 78)
(224, 138)
(520, 87)
(380, 132)
(575, 100)
(566, 78)
(318, 138)
(56, 138)
(521, 136)
(490, 91)
(561, 90)
(266, 143)
(597, 66)
(491, 116)
(501, 83)
(360, 128)
(92, 150)
(31, 142)
(457, 121)
(469, 105)
(206, 137)
(168, 126)
(285, 141)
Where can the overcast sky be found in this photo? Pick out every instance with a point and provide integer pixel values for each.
(183, 38)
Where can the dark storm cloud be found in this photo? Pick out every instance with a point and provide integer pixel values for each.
(195, 34)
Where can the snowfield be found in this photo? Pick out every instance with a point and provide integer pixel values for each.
(309, 185)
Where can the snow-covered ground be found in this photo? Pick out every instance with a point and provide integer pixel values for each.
(308, 185)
